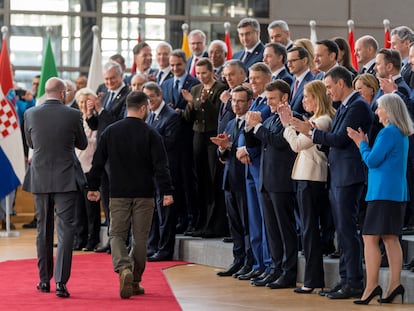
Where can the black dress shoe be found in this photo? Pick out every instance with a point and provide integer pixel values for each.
(189, 231)
(228, 239)
(346, 292)
(43, 287)
(260, 277)
(243, 270)
(31, 225)
(61, 290)
(250, 275)
(231, 270)
(197, 233)
(102, 249)
(281, 282)
(335, 255)
(270, 277)
(159, 257)
(330, 291)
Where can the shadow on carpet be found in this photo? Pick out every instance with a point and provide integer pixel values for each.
(93, 286)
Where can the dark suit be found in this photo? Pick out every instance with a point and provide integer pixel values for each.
(370, 70)
(254, 57)
(347, 177)
(186, 175)
(285, 76)
(234, 186)
(190, 61)
(296, 100)
(408, 75)
(161, 239)
(258, 238)
(278, 197)
(225, 115)
(54, 176)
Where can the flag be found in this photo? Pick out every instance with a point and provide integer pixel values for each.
(48, 71)
(95, 75)
(185, 46)
(351, 42)
(227, 41)
(139, 39)
(387, 36)
(313, 37)
(11, 146)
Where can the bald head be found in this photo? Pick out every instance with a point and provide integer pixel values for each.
(55, 88)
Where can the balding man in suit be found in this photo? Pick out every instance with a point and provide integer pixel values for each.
(54, 177)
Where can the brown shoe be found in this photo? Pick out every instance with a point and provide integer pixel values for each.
(125, 283)
(137, 289)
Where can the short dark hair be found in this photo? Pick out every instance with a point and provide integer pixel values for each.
(391, 56)
(302, 52)
(136, 99)
(279, 85)
(180, 54)
(152, 86)
(138, 47)
(340, 73)
(278, 49)
(118, 58)
(241, 88)
(331, 46)
(262, 67)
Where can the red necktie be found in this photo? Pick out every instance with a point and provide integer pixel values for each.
(295, 88)
(193, 69)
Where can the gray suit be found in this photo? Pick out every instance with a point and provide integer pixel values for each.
(54, 176)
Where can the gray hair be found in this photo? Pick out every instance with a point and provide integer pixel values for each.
(279, 23)
(111, 64)
(403, 33)
(198, 32)
(397, 112)
(164, 43)
(219, 42)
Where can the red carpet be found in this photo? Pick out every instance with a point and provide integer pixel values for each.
(93, 286)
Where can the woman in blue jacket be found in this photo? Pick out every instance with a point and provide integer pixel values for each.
(386, 196)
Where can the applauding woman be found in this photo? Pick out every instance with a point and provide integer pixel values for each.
(387, 194)
(311, 171)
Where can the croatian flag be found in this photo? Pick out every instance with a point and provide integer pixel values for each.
(12, 168)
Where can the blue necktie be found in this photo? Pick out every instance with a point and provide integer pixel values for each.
(176, 93)
(109, 101)
(159, 77)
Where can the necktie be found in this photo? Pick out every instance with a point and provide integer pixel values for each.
(159, 76)
(363, 70)
(256, 103)
(176, 90)
(193, 69)
(151, 118)
(236, 126)
(109, 101)
(295, 88)
(246, 56)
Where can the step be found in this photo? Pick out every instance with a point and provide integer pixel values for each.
(214, 252)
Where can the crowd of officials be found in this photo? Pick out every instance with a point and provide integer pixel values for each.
(286, 148)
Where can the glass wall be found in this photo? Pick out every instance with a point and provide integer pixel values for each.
(69, 23)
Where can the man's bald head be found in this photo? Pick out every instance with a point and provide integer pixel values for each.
(55, 88)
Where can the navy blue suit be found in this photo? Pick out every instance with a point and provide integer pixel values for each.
(185, 187)
(258, 239)
(234, 186)
(285, 76)
(255, 57)
(161, 238)
(347, 177)
(225, 115)
(277, 194)
(296, 101)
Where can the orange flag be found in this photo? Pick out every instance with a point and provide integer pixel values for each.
(185, 46)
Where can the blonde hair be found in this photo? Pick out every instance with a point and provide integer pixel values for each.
(84, 91)
(397, 112)
(317, 89)
(308, 46)
(368, 80)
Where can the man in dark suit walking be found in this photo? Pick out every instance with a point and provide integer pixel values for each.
(167, 122)
(54, 176)
(138, 164)
(347, 175)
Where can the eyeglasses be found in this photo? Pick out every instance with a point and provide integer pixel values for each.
(290, 61)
